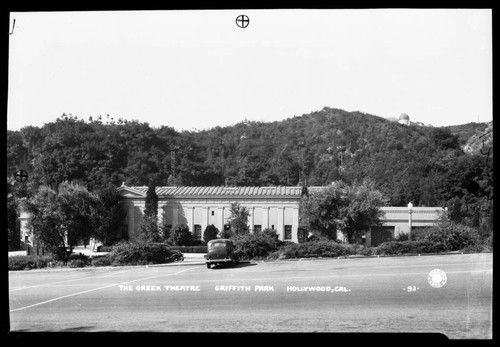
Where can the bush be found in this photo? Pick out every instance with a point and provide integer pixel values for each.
(198, 243)
(189, 249)
(104, 248)
(101, 260)
(28, 262)
(78, 263)
(180, 236)
(409, 247)
(481, 248)
(257, 245)
(366, 251)
(78, 260)
(451, 235)
(403, 237)
(140, 251)
(314, 249)
(210, 233)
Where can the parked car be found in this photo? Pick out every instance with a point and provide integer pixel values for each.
(177, 256)
(220, 251)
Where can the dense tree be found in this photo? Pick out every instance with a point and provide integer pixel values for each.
(149, 224)
(110, 216)
(180, 236)
(210, 233)
(151, 203)
(348, 208)
(360, 208)
(63, 218)
(238, 219)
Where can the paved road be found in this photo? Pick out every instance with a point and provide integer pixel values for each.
(337, 295)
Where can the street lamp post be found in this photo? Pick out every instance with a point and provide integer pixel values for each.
(410, 206)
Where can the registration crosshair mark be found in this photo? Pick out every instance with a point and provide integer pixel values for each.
(21, 176)
(242, 21)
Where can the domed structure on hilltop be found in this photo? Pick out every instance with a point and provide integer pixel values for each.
(404, 119)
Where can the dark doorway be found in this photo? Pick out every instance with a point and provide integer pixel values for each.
(381, 234)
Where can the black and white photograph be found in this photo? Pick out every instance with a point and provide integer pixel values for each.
(250, 171)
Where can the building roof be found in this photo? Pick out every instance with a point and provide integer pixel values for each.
(190, 191)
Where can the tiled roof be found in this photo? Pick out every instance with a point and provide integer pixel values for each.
(222, 191)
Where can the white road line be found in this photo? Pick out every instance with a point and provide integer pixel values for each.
(72, 280)
(95, 289)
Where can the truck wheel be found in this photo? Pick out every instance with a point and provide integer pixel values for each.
(208, 265)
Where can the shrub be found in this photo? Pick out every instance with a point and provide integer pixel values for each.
(104, 249)
(180, 236)
(77, 263)
(210, 233)
(78, 260)
(451, 235)
(198, 243)
(257, 245)
(409, 247)
(477, 248)
(402, 237)
(189, 249)
(101, 260)
(366, 251)
(140, 251)
(314, 249)
(28, 262)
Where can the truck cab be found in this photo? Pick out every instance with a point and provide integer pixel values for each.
(220, 251)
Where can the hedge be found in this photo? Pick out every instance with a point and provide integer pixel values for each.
(101, 260)
(315, 249)
(28, 262)
(255, 246)
(189, 249)
(409, 247)
(453, 236)
(140, 252)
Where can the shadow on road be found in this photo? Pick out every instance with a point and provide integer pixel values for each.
(229, 266)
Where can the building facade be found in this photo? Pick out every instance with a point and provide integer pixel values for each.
(198, 207)
(269, 207)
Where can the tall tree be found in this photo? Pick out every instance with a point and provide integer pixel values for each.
(180, 236)
(210, 233)
(151, 203)
(360, 208)
(110, 216)
(238, 219)
(348, 208)
(149, 225)
(61, 219)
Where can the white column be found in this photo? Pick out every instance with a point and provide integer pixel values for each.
(205, 216)
(280, 228)
(265, 217)
(220, 218)
(295, 224)
(131, 221)
(250, 217)
(175, 215)
(190, 218)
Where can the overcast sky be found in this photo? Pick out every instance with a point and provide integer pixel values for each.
(197, 69)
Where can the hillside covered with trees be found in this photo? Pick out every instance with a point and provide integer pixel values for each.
(425, 165)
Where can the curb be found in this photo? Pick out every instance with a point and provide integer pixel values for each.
(196, 262)
(94, 268)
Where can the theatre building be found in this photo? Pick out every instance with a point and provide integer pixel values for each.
(269, 207)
